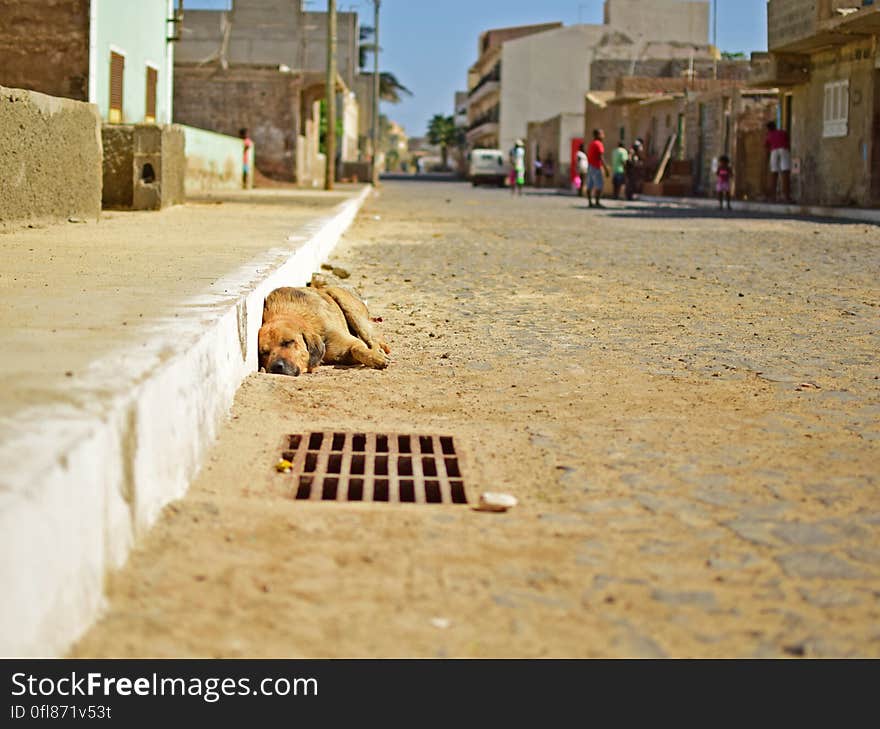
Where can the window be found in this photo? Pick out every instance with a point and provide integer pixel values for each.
(836, 109)
(117, 70)
(152, 80)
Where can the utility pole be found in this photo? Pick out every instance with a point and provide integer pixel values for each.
(375, 141)
(330, 171)
(715, 38)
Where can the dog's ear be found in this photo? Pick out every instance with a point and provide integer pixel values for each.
(316, 348)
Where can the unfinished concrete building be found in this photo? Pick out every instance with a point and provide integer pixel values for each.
(260, 66)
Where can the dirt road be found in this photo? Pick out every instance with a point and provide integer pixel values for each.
(685, 405)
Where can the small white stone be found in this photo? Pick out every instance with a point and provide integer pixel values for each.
(496, 501)
(441, 623)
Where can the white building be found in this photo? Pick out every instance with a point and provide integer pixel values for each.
(547, 70)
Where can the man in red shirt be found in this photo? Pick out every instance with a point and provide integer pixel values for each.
(778, 148)
(597, 167)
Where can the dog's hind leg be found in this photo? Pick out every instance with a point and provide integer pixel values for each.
(357, 317)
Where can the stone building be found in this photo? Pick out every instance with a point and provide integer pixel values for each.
(823, 56)
(536, 72)
(260, 66)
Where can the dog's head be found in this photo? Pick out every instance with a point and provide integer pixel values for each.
(285, 349)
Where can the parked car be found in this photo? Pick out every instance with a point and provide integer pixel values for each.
(487, 166)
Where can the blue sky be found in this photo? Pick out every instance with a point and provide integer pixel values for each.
(429, 45)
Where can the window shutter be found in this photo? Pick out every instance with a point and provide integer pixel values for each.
(117, 71)
(152, 82)
(835, 110)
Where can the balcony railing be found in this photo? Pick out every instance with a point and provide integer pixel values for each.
(490, 117)
(493, 75)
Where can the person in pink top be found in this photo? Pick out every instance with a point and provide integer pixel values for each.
(246, 160)
(779, 150)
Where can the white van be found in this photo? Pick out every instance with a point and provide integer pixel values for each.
(488, 165)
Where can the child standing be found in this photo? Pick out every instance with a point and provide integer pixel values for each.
(725, 177)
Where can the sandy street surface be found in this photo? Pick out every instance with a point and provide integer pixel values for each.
(687, 407)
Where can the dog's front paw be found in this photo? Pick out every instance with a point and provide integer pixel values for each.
(378, 359)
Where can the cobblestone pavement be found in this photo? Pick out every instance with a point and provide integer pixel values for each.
(686, 404)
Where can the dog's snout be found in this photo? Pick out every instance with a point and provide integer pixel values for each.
(284, 367)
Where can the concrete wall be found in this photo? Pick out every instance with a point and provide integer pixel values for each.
(144, 166)
(837, 170)
(668, 20)
(44, 46)
(213, 161)
(310, 162)
(350, 113)
(605, 72)
(51, 152)
(314, 44)
(138, 31)
(263, 32)
(264, 100)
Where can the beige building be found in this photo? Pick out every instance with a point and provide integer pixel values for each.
(543, 71)
(484, 84)
(824, 58)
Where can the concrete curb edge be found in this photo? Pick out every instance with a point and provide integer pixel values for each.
(140, 452)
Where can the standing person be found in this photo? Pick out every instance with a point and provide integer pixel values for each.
(518, 162)
(597, 168)
(246, 157)
(724, 173)
(549, 171)
(619, 158)
(779, 148)
(538, 171)
(634, 170)
(582, 168)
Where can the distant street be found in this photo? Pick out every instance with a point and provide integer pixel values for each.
(686, 405)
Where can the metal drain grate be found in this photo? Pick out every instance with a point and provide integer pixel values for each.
(384, 467)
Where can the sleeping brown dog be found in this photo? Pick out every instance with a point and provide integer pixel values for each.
(303, 327)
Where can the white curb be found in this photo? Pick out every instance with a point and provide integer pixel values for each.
(77, 488)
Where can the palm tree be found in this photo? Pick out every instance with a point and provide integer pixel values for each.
(442, 131)
(390, 87)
